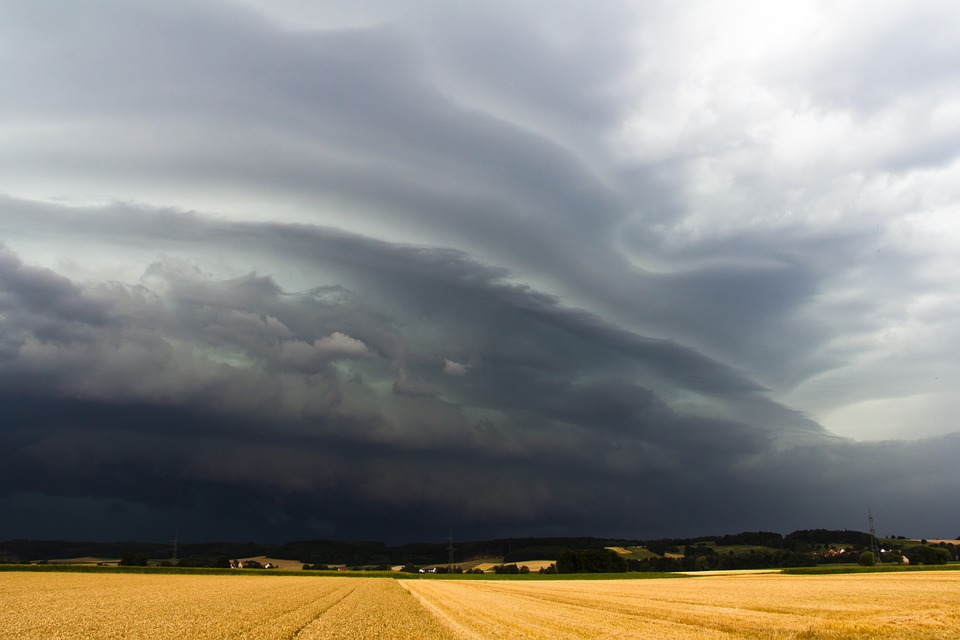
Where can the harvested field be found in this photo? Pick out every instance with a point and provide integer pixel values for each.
(101, 605)
(86, 560)
(533, 565)
(768, 606)
(279, 563)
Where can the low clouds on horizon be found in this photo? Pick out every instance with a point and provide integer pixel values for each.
(509, 270)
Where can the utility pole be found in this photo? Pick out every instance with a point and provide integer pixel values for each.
(874, 544)
(450, 551)
(176, 541)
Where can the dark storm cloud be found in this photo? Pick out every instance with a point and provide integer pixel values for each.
(532, 268)
(184, 389)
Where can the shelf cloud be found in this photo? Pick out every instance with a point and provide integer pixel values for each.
(274, 271)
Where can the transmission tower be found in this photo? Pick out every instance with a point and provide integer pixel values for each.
(874, 544)
(450, 551)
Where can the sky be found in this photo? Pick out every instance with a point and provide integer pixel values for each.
(277, 269)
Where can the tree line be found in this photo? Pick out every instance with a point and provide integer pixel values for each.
(766, 550)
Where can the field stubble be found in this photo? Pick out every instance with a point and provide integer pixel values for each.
(767, 606)
(776, 607)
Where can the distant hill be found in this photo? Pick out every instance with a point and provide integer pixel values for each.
(742, 550)
(330, 552)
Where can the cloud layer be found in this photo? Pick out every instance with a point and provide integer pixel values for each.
(283, 271)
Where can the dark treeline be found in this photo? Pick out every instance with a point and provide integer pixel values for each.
(332, 552)
(313, 552)
(757, 549)
(792, 541)
(703, 558)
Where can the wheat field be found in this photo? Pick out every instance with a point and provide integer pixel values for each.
(770, 606)
(35, 606)
(767, 606)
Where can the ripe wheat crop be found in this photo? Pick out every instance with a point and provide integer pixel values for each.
(776, 607)
(35, 606)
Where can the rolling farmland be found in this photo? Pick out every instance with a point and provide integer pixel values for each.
(770, 606)
(38, 606)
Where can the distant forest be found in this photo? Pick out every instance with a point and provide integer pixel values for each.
(758, 549)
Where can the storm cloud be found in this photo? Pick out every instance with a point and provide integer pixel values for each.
(274, 272)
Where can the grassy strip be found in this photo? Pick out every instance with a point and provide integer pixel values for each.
(831, 569)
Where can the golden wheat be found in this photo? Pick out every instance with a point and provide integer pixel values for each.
(775, 607)
(772, 607)
(103, 606)
(377, 609)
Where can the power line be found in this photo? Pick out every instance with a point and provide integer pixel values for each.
(874, 544)
(450, 551)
